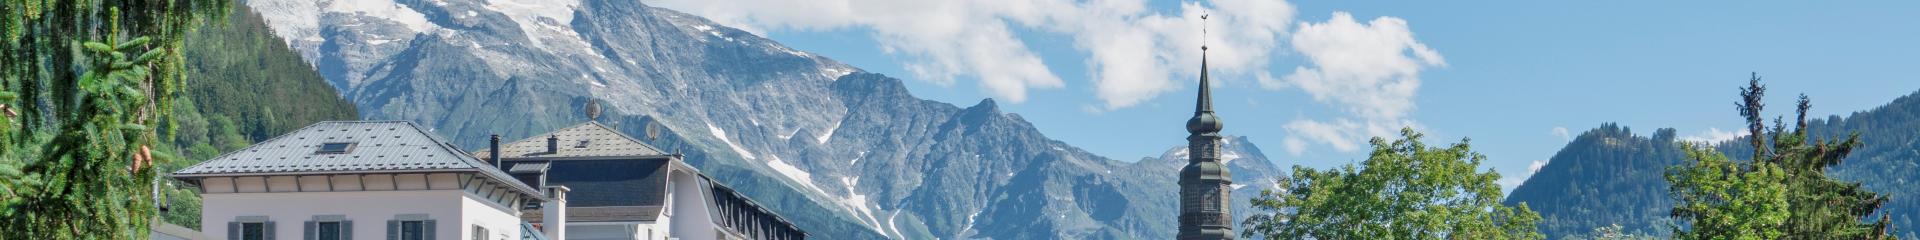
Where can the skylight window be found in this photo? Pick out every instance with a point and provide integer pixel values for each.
(582, 144)
(335, 148)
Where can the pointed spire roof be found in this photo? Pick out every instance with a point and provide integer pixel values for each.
(1205, 103)
(1203, 121)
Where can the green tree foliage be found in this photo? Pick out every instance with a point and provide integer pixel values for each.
(1404, 190)
(1723, 199)
(84, 84)
(1604, 177)
(246, 85)
(1784, 191)
(1611, 232)
(248, 75)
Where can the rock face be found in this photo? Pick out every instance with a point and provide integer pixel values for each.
(846, 154)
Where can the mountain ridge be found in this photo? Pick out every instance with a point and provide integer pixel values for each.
(847, 154)
(1634, 195)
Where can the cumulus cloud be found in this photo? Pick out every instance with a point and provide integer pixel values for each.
(1562, 133)
(1368, 70)
(1134, 53)
(1713, 135)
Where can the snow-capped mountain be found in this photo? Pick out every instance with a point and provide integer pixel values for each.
(846, 154)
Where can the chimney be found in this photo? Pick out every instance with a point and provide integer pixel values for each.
(553, 213)
(493, 152)
(553, 144)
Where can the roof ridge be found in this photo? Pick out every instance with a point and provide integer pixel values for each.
(616, 132)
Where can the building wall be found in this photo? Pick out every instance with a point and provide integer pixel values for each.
(500, 221)
(691, 219)
(606, 231)
(281, 199)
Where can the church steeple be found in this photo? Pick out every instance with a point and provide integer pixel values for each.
(1205, 210)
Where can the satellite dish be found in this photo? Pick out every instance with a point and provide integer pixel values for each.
(653, 130)
(593, 110)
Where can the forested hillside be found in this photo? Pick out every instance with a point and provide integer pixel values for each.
(246, 85)
(1608, 176)
(1605, 176)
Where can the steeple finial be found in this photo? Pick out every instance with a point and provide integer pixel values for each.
(1205, 104)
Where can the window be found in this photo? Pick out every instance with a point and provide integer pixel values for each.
(413, 230)
(413, 227)
(327, 231)
(334, 148)
(479, 233)
(582, 144)
(253, 231)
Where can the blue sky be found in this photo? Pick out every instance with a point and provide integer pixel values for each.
(1506, 73)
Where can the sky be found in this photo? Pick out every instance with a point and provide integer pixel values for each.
(1310, 81)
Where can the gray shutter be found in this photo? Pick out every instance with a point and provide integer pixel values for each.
(269, 230)
(233, 230)
(310, 231)
(426, 230)
(346, 229)
(393, 229)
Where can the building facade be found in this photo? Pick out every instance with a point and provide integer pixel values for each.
(358, 180)
(622, 188)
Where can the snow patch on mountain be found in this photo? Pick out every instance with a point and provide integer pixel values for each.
(859, 203)
(793, 173)
(291, 19)
(384, 9)
(722, 135)
(829, 135)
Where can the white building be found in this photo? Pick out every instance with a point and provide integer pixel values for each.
(624, 189)
(358, 180)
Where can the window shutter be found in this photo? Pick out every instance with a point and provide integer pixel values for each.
(393, 229)
(233, 230)
(346, 229)
(426, 229)
(269, 230)
(310, 232)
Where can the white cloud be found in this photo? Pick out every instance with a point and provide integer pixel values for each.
(1507, 183)
(1562, 133)
(1134, 53)
(1368, 70)
(1713, 135)
(1534, 167)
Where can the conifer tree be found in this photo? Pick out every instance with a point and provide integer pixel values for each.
(84, 84)
(1782, 192)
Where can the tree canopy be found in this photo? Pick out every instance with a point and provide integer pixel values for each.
(1404, 190)
(1783, 191)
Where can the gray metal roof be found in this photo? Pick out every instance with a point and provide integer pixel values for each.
(603, 214)
(378, 146)
(601, 141)
(528, 168)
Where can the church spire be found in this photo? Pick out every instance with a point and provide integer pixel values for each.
(1205, 104)
(1205, 182)
(1204, 122)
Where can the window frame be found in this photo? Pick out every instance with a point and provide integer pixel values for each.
(320, 230)
(479, 232)
(344, 148)
(419, 231)
(259, 228)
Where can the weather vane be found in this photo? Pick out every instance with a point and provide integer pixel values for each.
(1203, 31)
